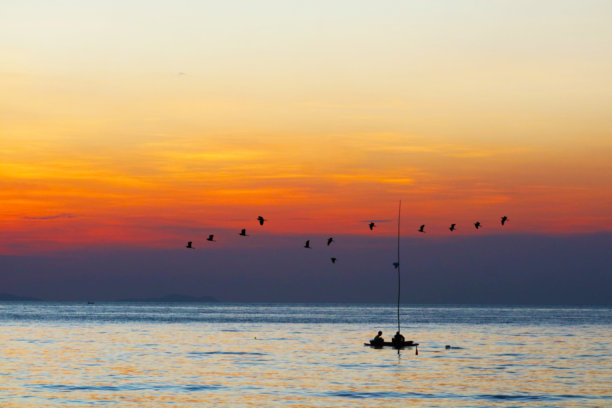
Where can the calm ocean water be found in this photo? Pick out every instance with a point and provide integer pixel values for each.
(273, 355)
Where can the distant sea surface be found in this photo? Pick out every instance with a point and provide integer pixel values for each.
(301, 355)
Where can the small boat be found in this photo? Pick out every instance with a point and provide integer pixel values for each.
(395, 345)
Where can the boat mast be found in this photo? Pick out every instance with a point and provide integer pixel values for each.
(398, 264)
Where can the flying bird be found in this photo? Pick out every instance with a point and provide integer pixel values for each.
(307, 244)
(189, 245)
(243, 233)
(396, 265)
(211, 238)
(333, 260)
(503, 220)
(329, 241)
(261, 220)
(477, 224)
(452, 227)
(422, 228)
(372, 225)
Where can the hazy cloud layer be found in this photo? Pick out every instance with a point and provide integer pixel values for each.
(49, 217)
(511, 269)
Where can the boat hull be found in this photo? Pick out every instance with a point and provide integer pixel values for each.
(398, 345)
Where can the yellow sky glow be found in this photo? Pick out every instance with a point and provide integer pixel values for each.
(327, 112)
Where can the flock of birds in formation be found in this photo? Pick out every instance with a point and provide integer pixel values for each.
(261, 220)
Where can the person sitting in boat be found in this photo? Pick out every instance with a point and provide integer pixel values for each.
(378, 339)
(398, 338)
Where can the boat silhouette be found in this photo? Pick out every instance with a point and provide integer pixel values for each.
(398, 341)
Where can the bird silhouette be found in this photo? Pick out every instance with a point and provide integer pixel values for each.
(333, 260)
(307, 244)
(503, 220)
(261, 220)
(396, 265)
(211, 238)
(452, 227)
(422, 228)
(372, 225)
(329, 241)
(189, 245)
(243, 233)
(477, 224)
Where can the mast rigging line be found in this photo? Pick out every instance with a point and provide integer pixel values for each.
(399, 215)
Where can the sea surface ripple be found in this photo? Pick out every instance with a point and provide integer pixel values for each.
(301, 355)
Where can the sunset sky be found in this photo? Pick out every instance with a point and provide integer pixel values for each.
(149, 123)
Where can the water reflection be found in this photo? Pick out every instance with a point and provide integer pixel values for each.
(193, 362)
